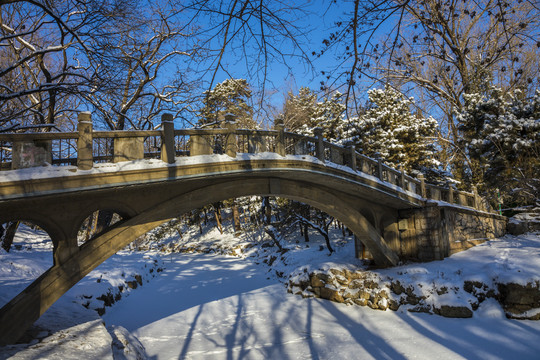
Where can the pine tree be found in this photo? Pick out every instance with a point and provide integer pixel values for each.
(229, 97)
(298, 109)
(390, 131)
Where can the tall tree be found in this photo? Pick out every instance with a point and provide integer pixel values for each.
(231, 96)
(299, 109)
(502, 142)
(303, 113)
(390, 131)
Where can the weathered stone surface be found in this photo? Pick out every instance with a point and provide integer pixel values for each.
(316, 281)
(342, 280)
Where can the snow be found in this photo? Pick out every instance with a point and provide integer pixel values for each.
(210, 305)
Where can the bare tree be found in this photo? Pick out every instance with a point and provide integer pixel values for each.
(134, 64)
(44, 57)
(251, 36)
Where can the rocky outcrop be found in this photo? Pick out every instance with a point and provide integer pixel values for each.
(365, 288)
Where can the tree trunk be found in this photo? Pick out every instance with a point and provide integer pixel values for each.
(267, 210)
(326, 238)
(306, 235)
(236, 218)
(217, 214)
(8, 235)
(104, 219)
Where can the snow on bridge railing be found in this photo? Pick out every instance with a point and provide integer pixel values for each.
(86, 147)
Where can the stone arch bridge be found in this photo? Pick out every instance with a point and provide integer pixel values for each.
(149, 177)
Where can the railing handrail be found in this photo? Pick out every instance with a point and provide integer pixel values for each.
(338, 153)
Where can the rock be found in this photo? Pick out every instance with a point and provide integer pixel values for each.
(372, 305)
(370, 284)
(356, 275)
(517, 227)
(320, 279)
(393, 305)
(351, 294)
(356, 284)
(517, 299)
(342, 280)
(360, 301)
(443, 290)
(382, 304)
(412, 299)
(470, 286)
(397, 288)
(336, 272)
(421, 309)
(527, 315)
(331, 294)
(453, 311)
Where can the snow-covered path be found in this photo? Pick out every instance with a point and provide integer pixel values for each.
(218, 307)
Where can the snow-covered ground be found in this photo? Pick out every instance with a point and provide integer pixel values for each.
(232, 304)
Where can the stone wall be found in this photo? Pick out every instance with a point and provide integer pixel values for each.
(435, 232)
(467, 228)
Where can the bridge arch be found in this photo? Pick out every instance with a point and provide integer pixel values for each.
(26, 308)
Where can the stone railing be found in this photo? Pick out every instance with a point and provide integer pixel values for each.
(86, 147)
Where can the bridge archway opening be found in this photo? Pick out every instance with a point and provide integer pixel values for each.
(97, 222)
(292, 222)
(26, 249)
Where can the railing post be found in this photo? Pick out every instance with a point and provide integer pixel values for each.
(319, 149)
(230, 139)
(422, 185)
(379, 168)
(403, 181)
(85, 158)
(168, 153)
(352, 154)
(476, 201)
(280, 139)
(450, 193)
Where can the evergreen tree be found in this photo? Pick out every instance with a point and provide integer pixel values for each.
(328, 115)
(501, 138)
(298, 109)
(229, 97)
(390, 131)
(302, 113)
